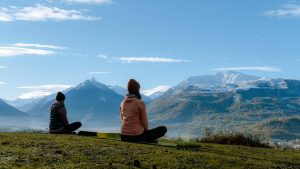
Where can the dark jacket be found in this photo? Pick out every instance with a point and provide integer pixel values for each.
(58, 117)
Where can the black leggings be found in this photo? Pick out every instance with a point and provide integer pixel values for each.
(147, 136)
(68, 129)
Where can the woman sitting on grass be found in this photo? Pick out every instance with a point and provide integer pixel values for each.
(134, 118)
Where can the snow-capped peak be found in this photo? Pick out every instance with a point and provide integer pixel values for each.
(92, 82)
(160, 89)
(220, 78)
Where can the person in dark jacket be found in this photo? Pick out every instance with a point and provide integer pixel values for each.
(59, 123)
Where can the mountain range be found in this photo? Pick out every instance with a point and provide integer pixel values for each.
(227, 101)
(90, 102)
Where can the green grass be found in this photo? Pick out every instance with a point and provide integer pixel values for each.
(28, 150)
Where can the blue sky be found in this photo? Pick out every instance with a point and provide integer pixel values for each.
(50, 45)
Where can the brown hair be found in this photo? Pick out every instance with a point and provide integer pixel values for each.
(134, 88)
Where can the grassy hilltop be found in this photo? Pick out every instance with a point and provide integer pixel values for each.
(29, 150)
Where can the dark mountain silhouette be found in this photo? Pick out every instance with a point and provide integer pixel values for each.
(7, 110)
(90, 101)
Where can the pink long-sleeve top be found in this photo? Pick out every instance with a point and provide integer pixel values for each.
(134, 116)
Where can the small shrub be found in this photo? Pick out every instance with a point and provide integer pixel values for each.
(234, 139)
(208, 131)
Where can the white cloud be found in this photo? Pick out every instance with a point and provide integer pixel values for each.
(3, 67)
(150, 92)
(286, 10)
(94, 73)
(5, 17)
(38, 46)
(90, 1)
(7, 51)
(141, 59)
(151, 59)
(19, 49)
(42, 13)
(47, 87)
(263, 69)
(105, 57)
(42, 90)
(31, 95)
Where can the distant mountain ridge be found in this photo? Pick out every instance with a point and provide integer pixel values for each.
(220, 82)
(156, 92)
(29, 105)
(118, 89)
(90, 102)
(8, 110)
(122, 91)
(227, 100)
(23, 104)
(220, 78)
(230, 101)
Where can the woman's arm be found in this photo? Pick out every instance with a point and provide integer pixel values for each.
(143, 116)
(121, 113)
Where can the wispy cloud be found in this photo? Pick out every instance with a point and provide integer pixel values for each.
(19, 49)
(103, 57)
(90, 1)
(149, 92)
(263, 69)
(4, 17)
(32, 95)
(38, 46)
(151, 59)
(47, 87)
(94, 73)
(8, 51)
(3, 67)
(42, 13)
(42, 90)
(142, 59)
(106, 58)
(285, 11)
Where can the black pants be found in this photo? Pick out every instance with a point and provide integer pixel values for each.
(147, 136)
(69, 128)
